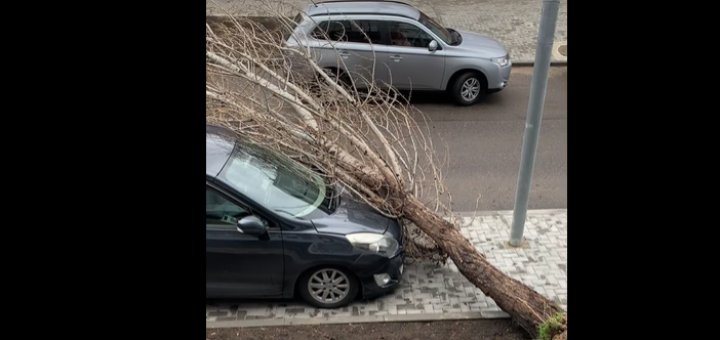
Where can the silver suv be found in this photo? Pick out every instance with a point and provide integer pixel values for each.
(393, 43)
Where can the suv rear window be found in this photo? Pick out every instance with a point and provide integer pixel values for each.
(361, 31)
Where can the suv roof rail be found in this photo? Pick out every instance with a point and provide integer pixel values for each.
(341, 11)
(393, 1)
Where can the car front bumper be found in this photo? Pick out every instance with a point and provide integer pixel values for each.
(394, 268)
(502, 79)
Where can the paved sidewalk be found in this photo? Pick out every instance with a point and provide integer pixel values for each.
(430, 292)
(515, 23)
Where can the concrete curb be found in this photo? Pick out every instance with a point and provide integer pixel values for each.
(508, 212)
(358, 319)
(532, 63)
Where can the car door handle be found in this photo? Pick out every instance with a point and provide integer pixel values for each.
(396, 57)
(344, 54)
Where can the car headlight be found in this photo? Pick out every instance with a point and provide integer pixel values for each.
(383, 244)
(502, 61)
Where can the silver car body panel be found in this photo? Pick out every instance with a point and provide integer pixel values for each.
(403, 67)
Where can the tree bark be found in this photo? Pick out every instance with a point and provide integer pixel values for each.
(527, 307)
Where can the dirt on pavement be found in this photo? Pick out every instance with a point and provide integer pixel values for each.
(495, 329)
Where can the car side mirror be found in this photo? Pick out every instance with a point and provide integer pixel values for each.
(251, 225)
(432, 46)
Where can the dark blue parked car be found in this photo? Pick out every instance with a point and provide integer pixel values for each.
(275, 229)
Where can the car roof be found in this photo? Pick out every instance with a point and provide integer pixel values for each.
(219, 144)
(364, 7)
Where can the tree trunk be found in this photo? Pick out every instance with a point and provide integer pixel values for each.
(372, 146)
(527, 307)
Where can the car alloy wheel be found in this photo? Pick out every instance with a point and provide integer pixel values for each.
(328, 286)
(470, 89)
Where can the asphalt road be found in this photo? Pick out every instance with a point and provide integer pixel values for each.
(484, 144)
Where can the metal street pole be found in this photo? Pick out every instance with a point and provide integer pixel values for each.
(548, 20)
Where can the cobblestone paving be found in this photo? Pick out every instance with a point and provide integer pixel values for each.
(430, 292)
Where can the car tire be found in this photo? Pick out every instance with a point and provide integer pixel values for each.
(328, 287)
(468, 88)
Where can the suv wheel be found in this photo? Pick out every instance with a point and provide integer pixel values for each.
(328, 287)
(468, 88)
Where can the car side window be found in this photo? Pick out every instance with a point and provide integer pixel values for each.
(403, 34)
(220, 210)
(360, 31)
(329, 30)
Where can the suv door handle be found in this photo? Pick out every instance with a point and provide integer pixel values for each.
(344, 54)
(396, 57)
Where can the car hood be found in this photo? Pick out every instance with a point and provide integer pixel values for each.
(352, 216)
(474, 41)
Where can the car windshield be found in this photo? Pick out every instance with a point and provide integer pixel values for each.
(276, 182)
(436, 28)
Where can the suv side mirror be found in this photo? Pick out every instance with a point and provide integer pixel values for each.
(432, 46)
(251, 225)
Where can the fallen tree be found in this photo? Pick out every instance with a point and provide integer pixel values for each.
(370, 141)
